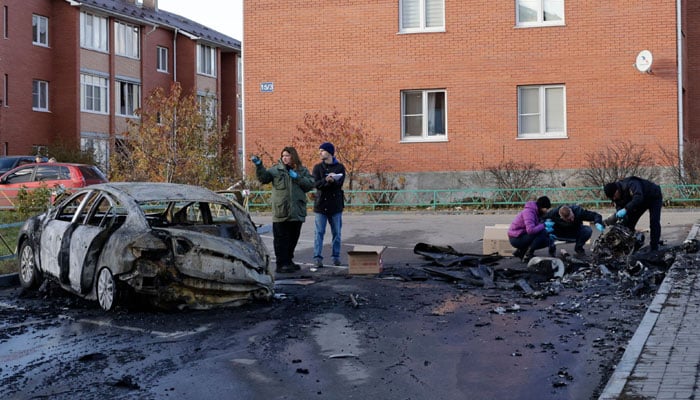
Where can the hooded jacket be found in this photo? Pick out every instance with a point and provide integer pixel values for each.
(288, 195)
(527, 221)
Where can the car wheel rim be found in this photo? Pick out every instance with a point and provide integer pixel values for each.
(26, 266)
(105, 289)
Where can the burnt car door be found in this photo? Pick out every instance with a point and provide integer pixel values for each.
(56, 233)
(92, 230)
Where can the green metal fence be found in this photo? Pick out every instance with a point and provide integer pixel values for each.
(485, 198)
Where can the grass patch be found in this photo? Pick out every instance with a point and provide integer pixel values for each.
(8, 266)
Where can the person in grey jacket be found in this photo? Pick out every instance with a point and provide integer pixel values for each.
(290, 183)
(568, 225)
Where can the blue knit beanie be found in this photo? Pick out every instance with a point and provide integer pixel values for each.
(328, 146)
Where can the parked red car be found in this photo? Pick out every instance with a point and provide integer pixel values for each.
(49, 175)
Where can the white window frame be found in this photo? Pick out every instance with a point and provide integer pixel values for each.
(127, 98)
(541, 7)
(40, 95)
(161, 59)
(425, 112)
(207, 106)
(543, 113)
(430, 16)
(97, 144)
(89, 102)
(127, 40)
(206, 60)
(40, 30)
(94, 34)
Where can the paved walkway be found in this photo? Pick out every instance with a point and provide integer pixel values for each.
(662, 360)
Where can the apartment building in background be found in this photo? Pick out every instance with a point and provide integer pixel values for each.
(454, 87)
(74, 71)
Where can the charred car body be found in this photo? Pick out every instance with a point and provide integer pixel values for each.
(178, 245)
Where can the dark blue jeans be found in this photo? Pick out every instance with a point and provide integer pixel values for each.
(579, 235)
(533, 242)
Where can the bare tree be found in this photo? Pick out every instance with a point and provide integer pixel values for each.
(616, 162)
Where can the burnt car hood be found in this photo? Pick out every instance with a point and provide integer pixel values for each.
(206, 256)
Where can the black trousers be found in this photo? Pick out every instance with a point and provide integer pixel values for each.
(285, 237)
(654, 206)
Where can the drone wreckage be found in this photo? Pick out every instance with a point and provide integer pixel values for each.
(616, 253)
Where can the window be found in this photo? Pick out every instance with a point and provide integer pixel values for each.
(422, 16)
(541, 111)
(206, 60)
(40, 30)
(128, 98)
(207, 106)
(93, 94)
(93, 32)
(40, 95)
(539, 12)
(162, 59)
(126, 40)
(423, 115)
(97, 144)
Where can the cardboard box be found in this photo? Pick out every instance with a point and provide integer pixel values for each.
(365, 259)
(496, 240)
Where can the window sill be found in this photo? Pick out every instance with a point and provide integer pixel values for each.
(424, 140)
(542, 137)
(540, 25)
(44, 110)
(410, 32)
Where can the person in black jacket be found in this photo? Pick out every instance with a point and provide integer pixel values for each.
(329, 176)
(633, 196)
(568, 225)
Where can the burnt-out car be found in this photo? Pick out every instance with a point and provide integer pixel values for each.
(175, 245)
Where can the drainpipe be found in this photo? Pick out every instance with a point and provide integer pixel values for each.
(679, 49)
(175, 55)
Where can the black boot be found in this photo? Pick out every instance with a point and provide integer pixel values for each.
(528, 254)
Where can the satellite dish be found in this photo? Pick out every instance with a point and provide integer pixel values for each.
(644, 60)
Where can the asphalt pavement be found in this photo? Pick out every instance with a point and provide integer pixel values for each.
(661, 361)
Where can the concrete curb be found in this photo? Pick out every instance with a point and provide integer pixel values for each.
(9, 280)
(618, 380)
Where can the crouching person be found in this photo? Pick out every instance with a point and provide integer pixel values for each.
(527, 232)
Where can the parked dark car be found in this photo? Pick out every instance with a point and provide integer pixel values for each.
(176, 245)
(9, 162)
(50, 175)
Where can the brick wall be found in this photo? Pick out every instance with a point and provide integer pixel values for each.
(350, 56)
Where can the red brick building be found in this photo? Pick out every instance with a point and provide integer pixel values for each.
(74, 71)
(457, 86)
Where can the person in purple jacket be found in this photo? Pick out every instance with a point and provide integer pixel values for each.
(527, 232)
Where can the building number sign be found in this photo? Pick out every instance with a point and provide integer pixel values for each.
(267, 87)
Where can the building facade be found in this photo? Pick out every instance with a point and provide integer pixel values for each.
(74, 71)
(454, 87)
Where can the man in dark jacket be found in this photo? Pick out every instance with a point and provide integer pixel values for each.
(568, 225)
(329, 176)
(632, 196)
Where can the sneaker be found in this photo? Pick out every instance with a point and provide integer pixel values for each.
(336, 262)
(580, 251)
(527, 257)
(519, 253)
(318, 263)
(552, 250)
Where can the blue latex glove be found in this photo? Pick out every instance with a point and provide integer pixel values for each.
(256, 160)
(599, 227)
(549, 229)
(293, 174)
(549, 225)
(621, 213)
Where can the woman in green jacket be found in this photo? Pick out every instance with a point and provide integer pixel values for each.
(290, 182)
